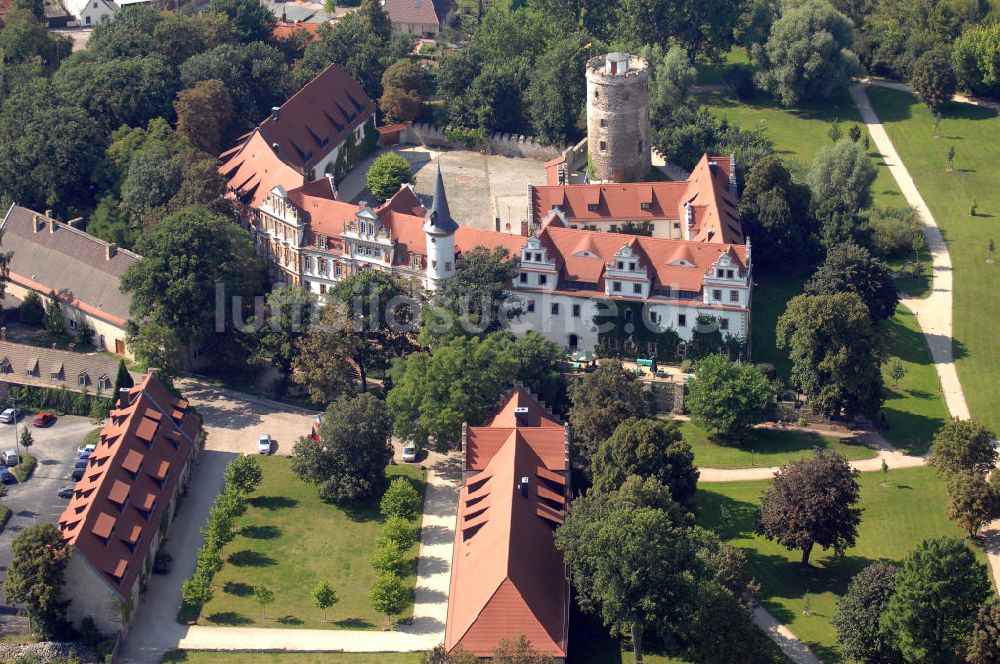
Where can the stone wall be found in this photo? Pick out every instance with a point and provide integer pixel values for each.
(576, 156)
(508, 145)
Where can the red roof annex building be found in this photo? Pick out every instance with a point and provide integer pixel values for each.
(507, 578)
(122, 506)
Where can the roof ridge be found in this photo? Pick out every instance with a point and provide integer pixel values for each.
(61, 225)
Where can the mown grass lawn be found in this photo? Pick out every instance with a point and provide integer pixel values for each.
(896, 518)
(771, 447)
(209, 657)
(798, 133)
(976, 308)
(914, 409)
(289, 540)
(771, 294)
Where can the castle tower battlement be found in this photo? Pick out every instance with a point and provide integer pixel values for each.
(618, 134)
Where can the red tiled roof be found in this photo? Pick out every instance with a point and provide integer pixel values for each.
(288, 29)
(287, 144)
(507, 577)
(115, 512)
(706, 190)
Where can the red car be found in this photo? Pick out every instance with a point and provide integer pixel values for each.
(43, 419)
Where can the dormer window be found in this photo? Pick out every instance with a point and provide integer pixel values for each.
(538, 258)
(631, 266)
(83, 378)
(729, 274)
(5, 366)
(645, 206)
(592, 207)
(621, 265)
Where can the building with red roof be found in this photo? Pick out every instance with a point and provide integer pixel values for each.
(507, 578)
(569, 275)
(300, 140)
(122, 506)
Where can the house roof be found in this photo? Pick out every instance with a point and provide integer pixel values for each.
(59, 260)
(507, 577)
(424, 12)
(129, 481)
(285, 29)
(20, 362)
(706, 191)
(288, 143)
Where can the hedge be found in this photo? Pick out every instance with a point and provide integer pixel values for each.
(23, 470)
(59, 399)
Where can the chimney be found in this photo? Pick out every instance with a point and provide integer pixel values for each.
(36, 223)
(76, 222)
(276, 113)
(110, 250)
(72, 347)
(48, 213)
(521, 415)
(52, 225)
(362, 204)
(53, 346)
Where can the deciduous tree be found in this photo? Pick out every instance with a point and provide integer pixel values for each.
(401, 499)
(324, 596)
(387, 173)
(849, 268)
(244, 474)
(812, 501)
(252, 21)
(478, 290)
(940, 588)
(972, 501)
(933, 78)
(859, 613)
(389, 595)
(204, 113)
(288, 316)
(984, 644)
(601, 401)
(348, 463)
(519, 651)
(963, 446)
(775, 213)
(841, 176)
(728, 398)
(646, 448)
(807, 55)
(35, 579)
(835, 351)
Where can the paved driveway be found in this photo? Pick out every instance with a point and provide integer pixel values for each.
(35, 502)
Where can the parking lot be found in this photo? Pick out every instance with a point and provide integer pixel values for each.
(35, 501)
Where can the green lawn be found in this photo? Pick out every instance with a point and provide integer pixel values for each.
(771, 294)
(771, 447)
(915, 409)
(896, 518)
(970, 130)
(714, 73)
(289, 541)
(209, 657)
(798, 133)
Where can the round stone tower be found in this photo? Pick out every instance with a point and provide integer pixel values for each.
(618, 117)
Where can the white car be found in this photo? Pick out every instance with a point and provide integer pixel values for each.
(264, 444)
(409, 452)
(9, 416)
(85, 449)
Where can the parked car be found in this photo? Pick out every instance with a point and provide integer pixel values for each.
(10, 415)
(10, 458)
(65, 492)
(264, 444)
(85, 455)
(78, 473)
(43, 419)
(85, 449)
(409, 452)
(5, 475)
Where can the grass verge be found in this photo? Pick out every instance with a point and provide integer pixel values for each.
(896, 518)
(950, 195)
(4, 516)
(289, 540)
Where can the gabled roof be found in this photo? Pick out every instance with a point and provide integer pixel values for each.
(129, 481)
(507, 577)
(288, 29)
(55, 258)
(17, 360)
(425, 12)
(289, 142)
(716, 217)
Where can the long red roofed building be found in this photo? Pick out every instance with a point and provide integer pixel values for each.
(115, 518)
(507, 578)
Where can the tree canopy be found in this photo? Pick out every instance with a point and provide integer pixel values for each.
(859, 613)
(849, 268)
(962, 446)
(835, 351)
(812, 501)
(728, 398)
(35, 579)
(348, 463)
(387, 173)
(775, 213)
(601, 401)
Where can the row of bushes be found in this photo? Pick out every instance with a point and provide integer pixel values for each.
(400, 505)
(242, 476)
(25, 468)
(61, 400)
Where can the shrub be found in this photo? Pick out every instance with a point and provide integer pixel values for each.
(739, 80)
(387, 173)
(401, 499)
(23, 470)
(895, 232)
(397, 530)
(31, 311)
